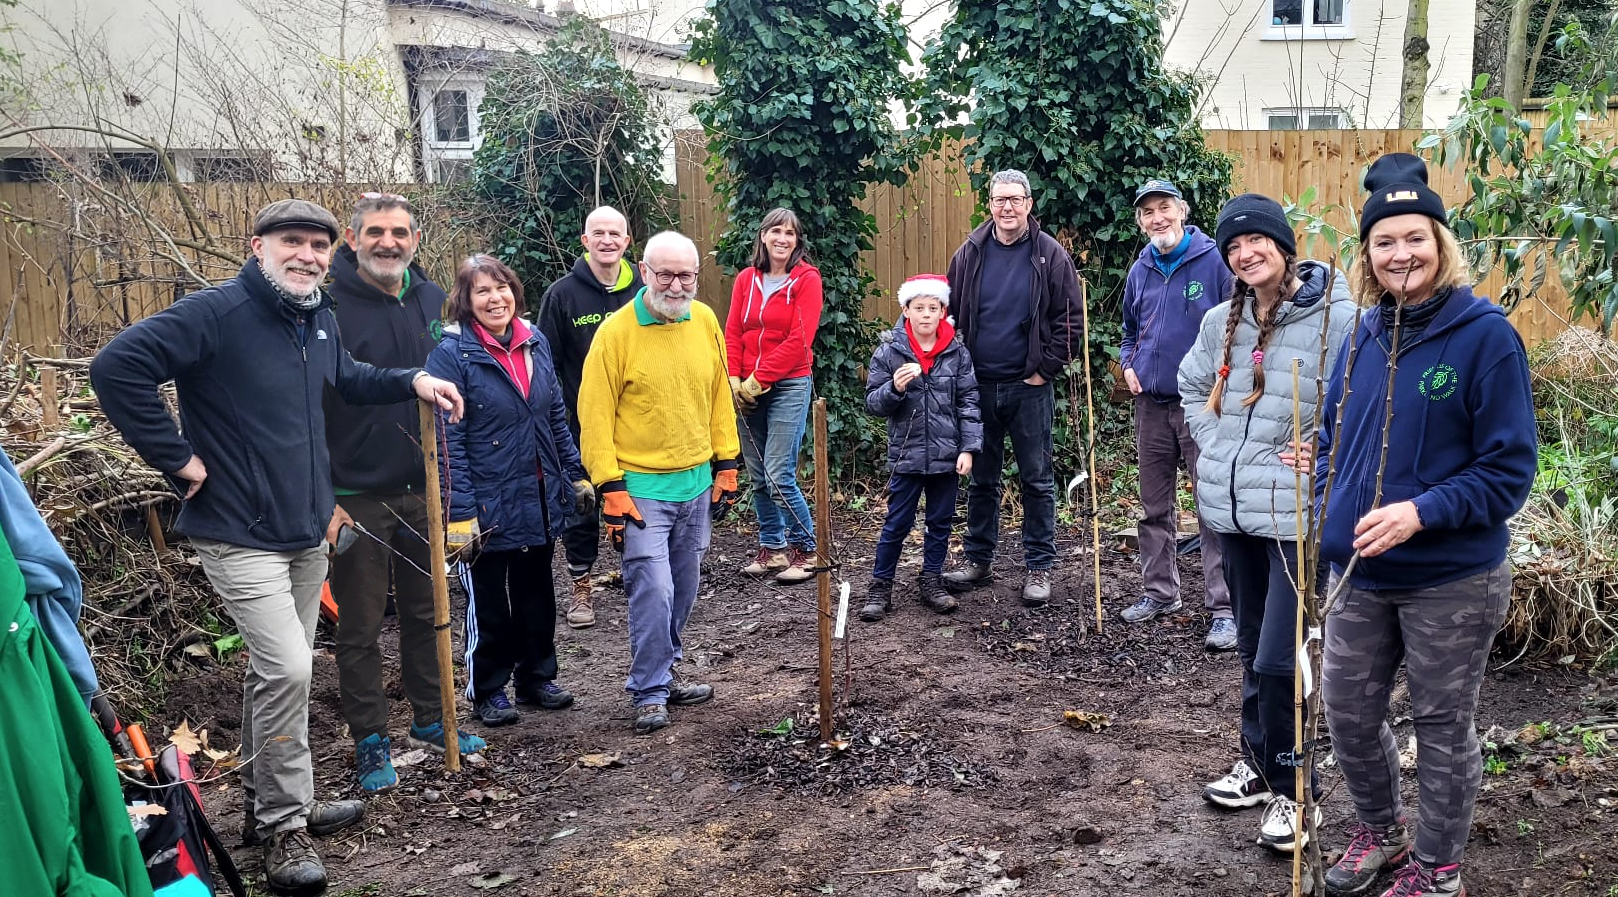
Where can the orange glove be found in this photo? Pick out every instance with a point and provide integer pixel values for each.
(617, 510)
(725, 490)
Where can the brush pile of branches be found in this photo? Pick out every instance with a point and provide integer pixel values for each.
(1565, 540)
(148, 610)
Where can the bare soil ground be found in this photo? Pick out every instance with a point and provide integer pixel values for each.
(960, 777)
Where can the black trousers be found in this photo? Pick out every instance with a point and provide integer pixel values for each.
(510, 620)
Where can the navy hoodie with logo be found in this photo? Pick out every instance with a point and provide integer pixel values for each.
(1163, 311)
(1463, 446)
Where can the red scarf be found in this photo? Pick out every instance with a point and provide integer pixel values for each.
(946, 332)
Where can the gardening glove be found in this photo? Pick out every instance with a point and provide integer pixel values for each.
(725, 490)
(584, 498)
(744, 403)
(457, 535)
(751, 388)
(617, 511)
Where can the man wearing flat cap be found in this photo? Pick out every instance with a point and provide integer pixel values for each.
(249, 358)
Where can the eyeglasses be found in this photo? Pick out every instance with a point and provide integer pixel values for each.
(1000, 202)
(665, 278)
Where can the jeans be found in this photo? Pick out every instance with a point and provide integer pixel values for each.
(1162, 441)
(510, 620)
(662, 567)
(274, 597)
(1260, 574)
(904, 492)
(1442, 635)
(359, 583)
(1024, 413)
(771, 436)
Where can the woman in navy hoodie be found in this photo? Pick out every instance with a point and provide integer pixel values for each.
(1419, 531)
(512, 476)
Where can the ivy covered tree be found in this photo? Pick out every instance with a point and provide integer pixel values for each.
(564, 130)
(1076, 95)
(801, 121)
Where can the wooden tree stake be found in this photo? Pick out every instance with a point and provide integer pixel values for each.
(50, 403)
(828, 728)
(435, 559)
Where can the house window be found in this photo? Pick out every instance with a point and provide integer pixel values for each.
(241, 169)
(24, 169)
(132, 166)
(1309, 119)
(1308, 20)
(452, 121)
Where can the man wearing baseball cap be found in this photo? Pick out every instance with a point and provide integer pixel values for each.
(1178, 277)
(249, 358)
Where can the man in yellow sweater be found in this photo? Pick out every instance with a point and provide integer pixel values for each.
(658, 436)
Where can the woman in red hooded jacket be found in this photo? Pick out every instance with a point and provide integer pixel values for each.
(769, 335)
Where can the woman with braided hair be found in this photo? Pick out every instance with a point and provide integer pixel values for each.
(1280, 310)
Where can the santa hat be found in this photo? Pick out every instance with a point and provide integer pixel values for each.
(934, 285)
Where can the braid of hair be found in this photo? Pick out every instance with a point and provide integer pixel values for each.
(1238, 298)
(1266, 327)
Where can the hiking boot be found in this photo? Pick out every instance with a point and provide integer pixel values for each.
(496, 710)
(1221, 635)
(768, 560)
(326, 817)
(291, 865)
(1277, 830)
(1416, 880)
(684, 694)
(1148, 609)
(650, 717)
(969, 576)
(1368, 855)
(1036, 589)
(800, 567)
(934, 595)
(878, 600)
(1239, 788)
(581, 615)
(549, 696)
(373, 764)
(432, 738)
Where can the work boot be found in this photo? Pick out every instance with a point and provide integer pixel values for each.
(683, 693)
(800, 567)
(969, 576)
(581, 615)
(1036, 589)
(291, 865)
(326, 817)
(934, 595)
(768, 560)
(878, 600)
(1370, 853)
(1148, 608)
(650, 717)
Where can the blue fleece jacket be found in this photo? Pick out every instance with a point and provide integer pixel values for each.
(1463, 444)
(1163, 311)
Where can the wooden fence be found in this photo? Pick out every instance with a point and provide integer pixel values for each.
(59, 279)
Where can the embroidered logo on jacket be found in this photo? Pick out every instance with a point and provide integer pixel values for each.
(1194, 291)
(1439, 382)
(587, 320)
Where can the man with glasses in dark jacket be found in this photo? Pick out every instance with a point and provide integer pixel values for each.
(388, 310)
(1019, 307)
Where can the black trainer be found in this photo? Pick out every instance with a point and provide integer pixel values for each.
(548, 696)
(878, 600)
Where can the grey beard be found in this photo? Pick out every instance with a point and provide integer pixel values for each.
(302, 303)
(1167, 242)
(374, 271)
(669, 306)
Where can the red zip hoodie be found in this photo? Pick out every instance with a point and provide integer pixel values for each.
(772, 338)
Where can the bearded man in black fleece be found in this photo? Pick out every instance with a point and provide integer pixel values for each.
(388, 311)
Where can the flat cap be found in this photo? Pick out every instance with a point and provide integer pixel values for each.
(295, 213)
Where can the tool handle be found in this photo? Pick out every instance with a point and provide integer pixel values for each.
(143, 751)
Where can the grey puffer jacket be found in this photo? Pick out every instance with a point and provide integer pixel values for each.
(1242, 486)
(936, 417)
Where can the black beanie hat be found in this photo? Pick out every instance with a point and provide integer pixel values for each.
(1254, 213)
(1397, 183)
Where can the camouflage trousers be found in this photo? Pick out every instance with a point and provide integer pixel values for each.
(1442, 635)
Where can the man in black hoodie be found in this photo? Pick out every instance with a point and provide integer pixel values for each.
(571, 310)
(388, 312)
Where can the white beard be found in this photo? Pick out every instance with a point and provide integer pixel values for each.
(671, 305)
(1167, 242)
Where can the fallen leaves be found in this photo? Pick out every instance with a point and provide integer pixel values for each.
(600, 761)
(1085, 719)
(186, 740)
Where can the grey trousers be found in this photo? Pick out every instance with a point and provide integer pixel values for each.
(359, 583)
(1442, 635)
(662, 567)
(274, 597)
(1162, 443)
